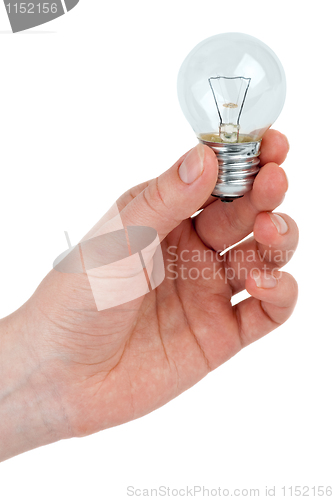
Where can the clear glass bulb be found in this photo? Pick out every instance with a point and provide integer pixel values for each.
(231, 88)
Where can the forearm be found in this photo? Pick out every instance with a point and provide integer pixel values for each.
(30, 413)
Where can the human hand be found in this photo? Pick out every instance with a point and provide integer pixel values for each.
(86, 370)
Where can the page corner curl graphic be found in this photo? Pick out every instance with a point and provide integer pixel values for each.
(70, 4)
(25, 15)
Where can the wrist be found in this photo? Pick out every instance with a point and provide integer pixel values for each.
(31, 413)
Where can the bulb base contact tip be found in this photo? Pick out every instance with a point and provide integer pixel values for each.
(238, 165)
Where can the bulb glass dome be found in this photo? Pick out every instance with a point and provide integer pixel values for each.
(231, 88)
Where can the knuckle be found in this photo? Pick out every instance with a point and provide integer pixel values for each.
(235, 222)
(154, 199)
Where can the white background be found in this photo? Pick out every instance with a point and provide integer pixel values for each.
(88, 108)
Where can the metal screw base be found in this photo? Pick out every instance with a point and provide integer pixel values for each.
(238, 166)
(227, 199)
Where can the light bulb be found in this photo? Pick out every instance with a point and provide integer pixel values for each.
(232, 88)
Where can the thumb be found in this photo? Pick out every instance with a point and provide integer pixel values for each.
(176, 194)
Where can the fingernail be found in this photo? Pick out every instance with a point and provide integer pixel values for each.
(280, 223)
(263, 280)
(192, 166)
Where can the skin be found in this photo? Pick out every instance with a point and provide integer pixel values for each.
(68, 370)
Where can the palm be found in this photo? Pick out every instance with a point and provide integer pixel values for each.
(164, 344)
